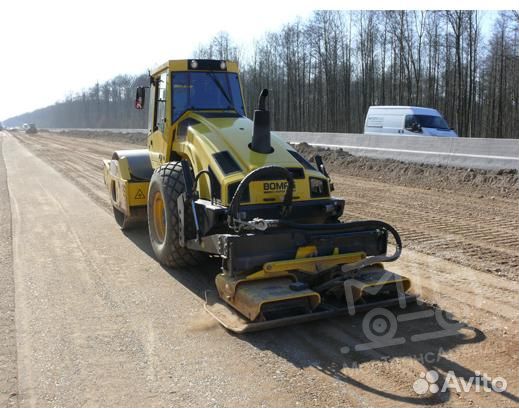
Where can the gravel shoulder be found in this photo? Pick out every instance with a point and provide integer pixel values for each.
(8, 365)
(99, 322)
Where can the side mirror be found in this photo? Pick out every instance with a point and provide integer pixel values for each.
(320, 165)
(140, 97)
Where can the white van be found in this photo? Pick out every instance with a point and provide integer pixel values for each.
(406, 120)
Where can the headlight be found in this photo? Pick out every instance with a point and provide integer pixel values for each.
(319, 187)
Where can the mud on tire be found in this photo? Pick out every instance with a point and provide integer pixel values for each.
(167, 183)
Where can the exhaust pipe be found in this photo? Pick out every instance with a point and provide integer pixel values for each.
(261, 131)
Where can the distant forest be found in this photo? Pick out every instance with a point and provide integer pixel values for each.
(323, 74)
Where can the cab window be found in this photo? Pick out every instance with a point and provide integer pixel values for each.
(206, 91)
(410, 120)
(160, 117)
(426, 121)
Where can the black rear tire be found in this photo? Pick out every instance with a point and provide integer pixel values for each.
(167, 184)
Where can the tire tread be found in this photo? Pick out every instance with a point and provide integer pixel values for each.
(173, 184)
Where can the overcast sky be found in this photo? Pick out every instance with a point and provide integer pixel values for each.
(51, 48)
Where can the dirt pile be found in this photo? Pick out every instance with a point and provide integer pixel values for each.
(482, 183)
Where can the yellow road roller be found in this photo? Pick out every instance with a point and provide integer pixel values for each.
(213, 183)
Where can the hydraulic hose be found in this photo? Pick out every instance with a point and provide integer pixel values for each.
(366, 261)
(262, 173)
(211, 183)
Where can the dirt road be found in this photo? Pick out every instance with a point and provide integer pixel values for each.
(99, 322)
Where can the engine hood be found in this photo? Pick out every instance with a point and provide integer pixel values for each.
(220, 143)
(234, 135)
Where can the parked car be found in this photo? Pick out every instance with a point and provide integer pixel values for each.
(406, 120)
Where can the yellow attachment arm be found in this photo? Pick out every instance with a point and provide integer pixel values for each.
(313, 264)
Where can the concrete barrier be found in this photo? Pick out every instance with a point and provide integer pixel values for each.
(449, 151)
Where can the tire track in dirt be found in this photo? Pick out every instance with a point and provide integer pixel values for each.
(448, 223)
(438, 211)
(81, 166)
(482, 256)
(461, 230)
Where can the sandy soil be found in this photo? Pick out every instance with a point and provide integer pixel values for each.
(104, 324)
(8, 366)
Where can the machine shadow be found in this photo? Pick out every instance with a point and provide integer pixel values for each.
(196, 279)
(338, 347)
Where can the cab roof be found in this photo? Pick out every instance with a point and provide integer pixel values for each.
(196, 65)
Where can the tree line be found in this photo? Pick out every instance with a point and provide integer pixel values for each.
(106, 105)
(324, 72)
